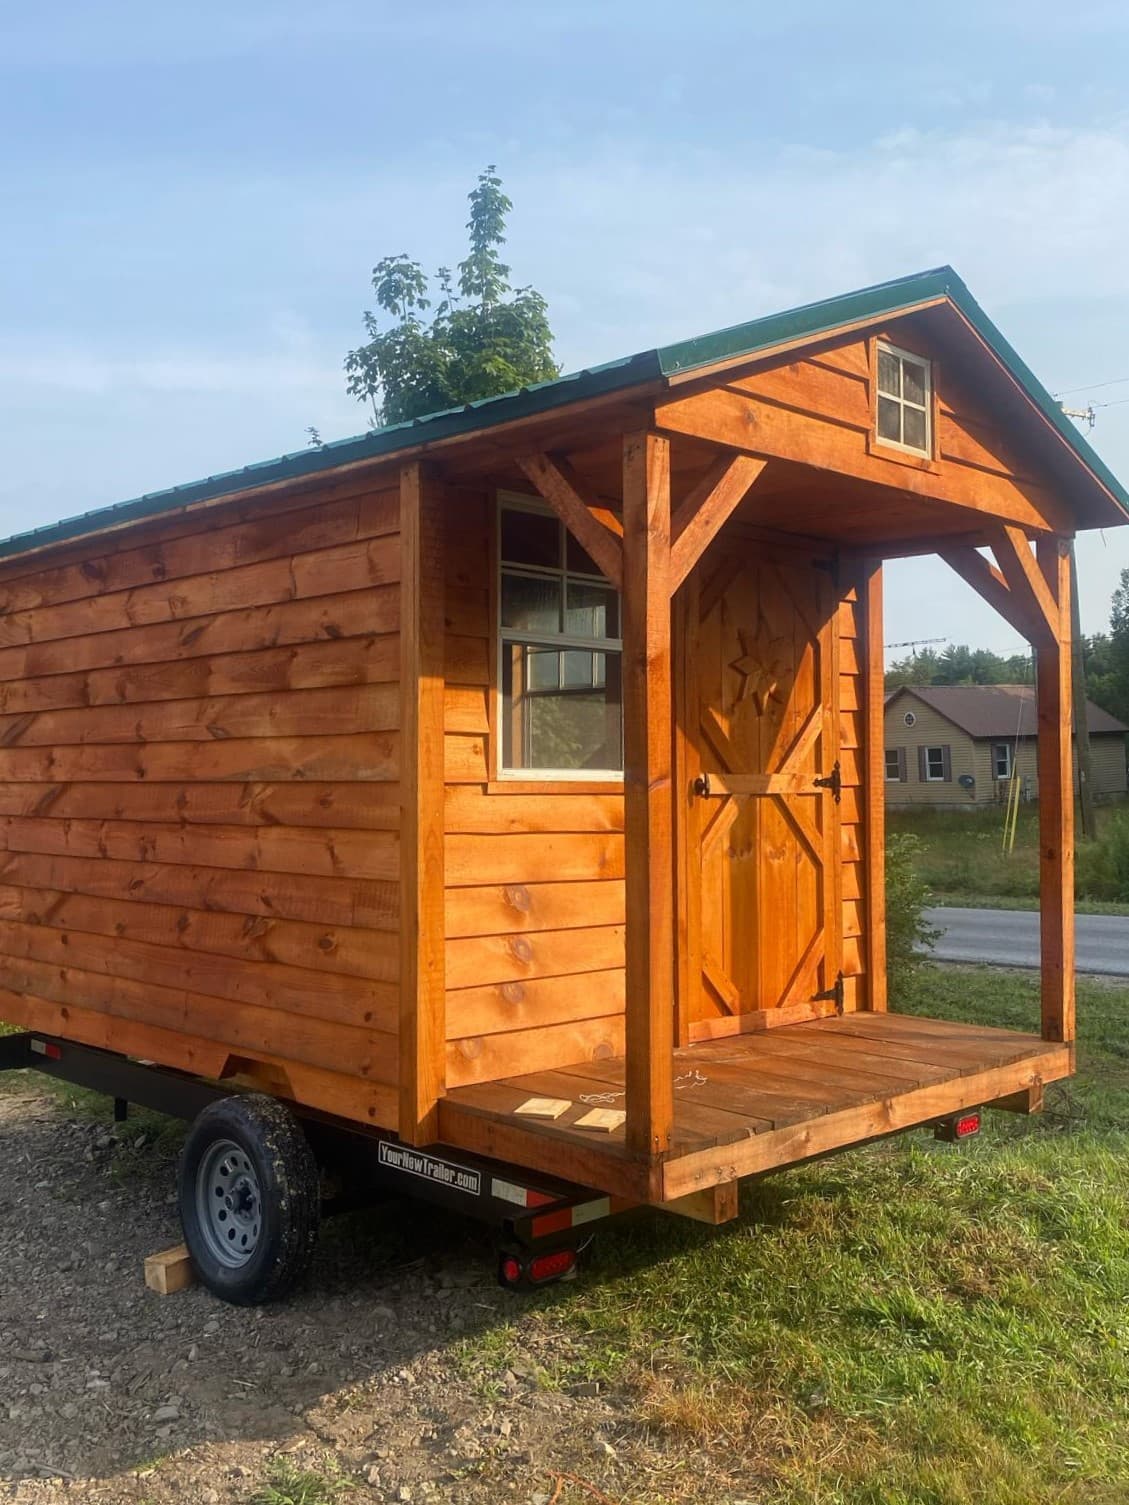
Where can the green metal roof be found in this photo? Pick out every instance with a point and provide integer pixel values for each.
(811, 321)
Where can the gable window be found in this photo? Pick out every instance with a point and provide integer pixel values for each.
(905, 400)
(935, 765)
(560, 650)
(1001, 760)
(895, 765)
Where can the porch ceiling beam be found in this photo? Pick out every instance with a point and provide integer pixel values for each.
(594, 526)
(709, 505)
(1026, 580)
(987, 581)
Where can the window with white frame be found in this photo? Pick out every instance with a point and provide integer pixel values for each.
(1001, 760)
(905, 400)
(895, 765)
(560, 650)
(936, 765)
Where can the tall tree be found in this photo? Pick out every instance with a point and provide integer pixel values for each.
(484, 337)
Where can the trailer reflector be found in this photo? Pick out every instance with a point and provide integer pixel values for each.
(570, 1217)
(545, 1267)
(46, 1048)
(959, 1126)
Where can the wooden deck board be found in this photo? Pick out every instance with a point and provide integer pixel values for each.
(749, 1103)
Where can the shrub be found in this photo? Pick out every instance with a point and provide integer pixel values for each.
(1102, 869)
(909, 936)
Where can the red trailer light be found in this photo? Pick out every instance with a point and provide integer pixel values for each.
(545, 1267)
(959, 1126)
(510, 1270)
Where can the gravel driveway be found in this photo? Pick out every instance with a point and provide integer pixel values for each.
(401, 1368)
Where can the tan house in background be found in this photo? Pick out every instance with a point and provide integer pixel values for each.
(956, 745)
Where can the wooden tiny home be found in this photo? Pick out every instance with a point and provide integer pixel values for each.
(537, 749)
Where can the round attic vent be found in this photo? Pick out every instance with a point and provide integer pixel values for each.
(910, 719)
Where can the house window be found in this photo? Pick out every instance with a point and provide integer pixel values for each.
(905, 400)
(560, 650)
(1001, 760)
(936, 765)
(910, 719)
(895, 765)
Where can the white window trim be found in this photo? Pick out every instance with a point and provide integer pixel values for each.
(935, 778)
(927, 408)
(896, 776)
(518, 501)
(1010, 760)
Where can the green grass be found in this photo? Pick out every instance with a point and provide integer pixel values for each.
(910, 1324)
(963, 858)
(287, 1485)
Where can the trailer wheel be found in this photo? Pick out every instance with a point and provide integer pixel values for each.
(250, 1199)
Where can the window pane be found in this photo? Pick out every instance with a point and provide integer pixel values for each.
(888, 373)
(579, 559)
(889, 419)
(913, 382)
(531, 538)
(577, 727)
(531, 605)
(892, 764)
(591, 611)
(542, 668)
(576, 669)
(913, 428)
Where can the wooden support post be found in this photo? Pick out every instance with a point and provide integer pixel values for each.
(648, 794)
(1082, 748)
(422, 961)
(874, 772)
(1056, 802)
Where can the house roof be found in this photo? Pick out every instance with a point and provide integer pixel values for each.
(663, 363)
(996, 710)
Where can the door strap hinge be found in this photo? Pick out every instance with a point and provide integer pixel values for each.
(833, 781)
(701, 785)
(835, 995)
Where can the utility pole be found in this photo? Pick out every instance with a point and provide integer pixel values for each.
(1081, 720)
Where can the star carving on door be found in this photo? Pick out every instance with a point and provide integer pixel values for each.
(763, 665)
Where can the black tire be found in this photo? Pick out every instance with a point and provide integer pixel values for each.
(250, 1199)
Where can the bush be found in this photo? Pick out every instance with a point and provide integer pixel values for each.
(909, 936)
(1102, 866)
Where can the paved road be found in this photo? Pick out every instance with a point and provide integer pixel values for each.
(1010, 938)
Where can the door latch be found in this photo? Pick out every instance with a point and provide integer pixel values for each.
(833, 781)
(701, 786)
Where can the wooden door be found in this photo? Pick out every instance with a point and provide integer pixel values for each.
(758, 725)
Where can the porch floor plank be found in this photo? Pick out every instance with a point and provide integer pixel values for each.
(796, 1091)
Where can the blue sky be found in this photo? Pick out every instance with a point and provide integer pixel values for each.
(193, 197)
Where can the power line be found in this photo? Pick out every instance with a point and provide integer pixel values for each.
(1094, 386)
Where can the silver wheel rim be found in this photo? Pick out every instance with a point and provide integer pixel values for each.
(228, 1203)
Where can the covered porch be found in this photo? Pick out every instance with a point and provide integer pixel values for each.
(756, 1102)
(744, 511)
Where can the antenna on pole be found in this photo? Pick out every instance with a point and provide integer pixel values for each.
(1084, 415)
(916, 643)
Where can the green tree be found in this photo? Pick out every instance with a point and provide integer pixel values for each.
(484, 337)
(1106, 657)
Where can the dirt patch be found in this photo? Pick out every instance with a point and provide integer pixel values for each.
(401, 1372)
